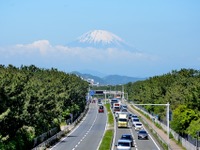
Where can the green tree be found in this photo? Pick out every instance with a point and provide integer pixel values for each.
(182, 117)
(194, 128)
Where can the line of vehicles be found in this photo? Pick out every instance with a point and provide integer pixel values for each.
(123, 118)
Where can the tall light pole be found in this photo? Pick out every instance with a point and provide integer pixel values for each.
(168, 124)
(198, 134)
(122, 91)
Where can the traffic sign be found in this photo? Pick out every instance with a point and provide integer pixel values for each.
(92, 93)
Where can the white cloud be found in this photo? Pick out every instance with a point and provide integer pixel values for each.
(42, 45)
(45, 49)
(42, 53)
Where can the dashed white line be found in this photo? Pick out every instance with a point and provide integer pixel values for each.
(86, 133)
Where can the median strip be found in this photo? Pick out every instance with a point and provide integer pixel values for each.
(108, 136)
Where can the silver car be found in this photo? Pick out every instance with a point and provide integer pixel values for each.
(123, 144)
(138, 126)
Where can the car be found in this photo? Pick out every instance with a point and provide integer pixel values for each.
(142, 134)
(134, 121)
(134, 116)
(128, 137)
(123, 106)
(101, 109)
(124, 110)
(138, 126)
(123, 145)
(130, 115)
(117, 115)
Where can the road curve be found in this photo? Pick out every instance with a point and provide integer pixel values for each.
(88, 134)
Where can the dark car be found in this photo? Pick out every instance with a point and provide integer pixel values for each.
(128, 137)
(134, 116)
(142, 134)
(101, 109)
(130, 115)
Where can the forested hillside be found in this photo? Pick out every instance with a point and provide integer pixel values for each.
(181, 89)
(33, 101)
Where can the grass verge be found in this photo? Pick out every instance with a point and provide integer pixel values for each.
(107, 140)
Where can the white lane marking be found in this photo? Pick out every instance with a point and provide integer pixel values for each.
(71, 131)
(104, 131)
(153, 140)
(113, 144)
(135, 145)
(86, 132)
(150, 137)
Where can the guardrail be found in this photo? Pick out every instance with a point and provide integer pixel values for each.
(54, 139)
(184, 142)
(163, 141)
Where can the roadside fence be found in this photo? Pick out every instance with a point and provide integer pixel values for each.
(56, 137)
(189, 143)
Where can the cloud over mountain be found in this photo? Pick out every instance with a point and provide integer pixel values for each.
(98, 50)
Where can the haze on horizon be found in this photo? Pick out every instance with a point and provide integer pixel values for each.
(165, 35)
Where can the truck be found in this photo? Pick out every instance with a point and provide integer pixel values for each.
(114, 100)
(123, 120)
(116, 107)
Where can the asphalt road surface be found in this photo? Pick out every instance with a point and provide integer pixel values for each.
(88, 134)
(149, 144)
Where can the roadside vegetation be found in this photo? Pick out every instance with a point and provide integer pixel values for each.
(109, 133)
(34, 100)
(181, 89)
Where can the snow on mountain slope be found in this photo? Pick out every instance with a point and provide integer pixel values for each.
(100, 39)
(100, 36)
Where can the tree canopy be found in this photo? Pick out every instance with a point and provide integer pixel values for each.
(34, 100)
(180, 88)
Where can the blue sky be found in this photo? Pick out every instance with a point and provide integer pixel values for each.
(37, 32)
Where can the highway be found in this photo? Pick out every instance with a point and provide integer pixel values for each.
(139, 144)
(88, 134)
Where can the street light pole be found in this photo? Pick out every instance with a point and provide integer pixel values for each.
(168, 124)
(198, 133)
(122, 91)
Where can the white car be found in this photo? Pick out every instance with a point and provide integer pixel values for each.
(138, 126)
(135, 120)
(123, 144)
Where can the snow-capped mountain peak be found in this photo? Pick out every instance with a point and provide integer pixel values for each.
(100, 39)
(99, 36)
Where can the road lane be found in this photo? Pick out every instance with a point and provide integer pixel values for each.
(139, 144)
(88, 134)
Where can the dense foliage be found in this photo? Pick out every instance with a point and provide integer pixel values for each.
(34, 100)
(181, 89)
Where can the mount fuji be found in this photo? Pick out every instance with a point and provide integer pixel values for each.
(100, 39)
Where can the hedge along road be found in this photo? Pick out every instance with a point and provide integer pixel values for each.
(88, 134)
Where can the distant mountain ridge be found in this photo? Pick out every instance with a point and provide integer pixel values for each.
(108, 80)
